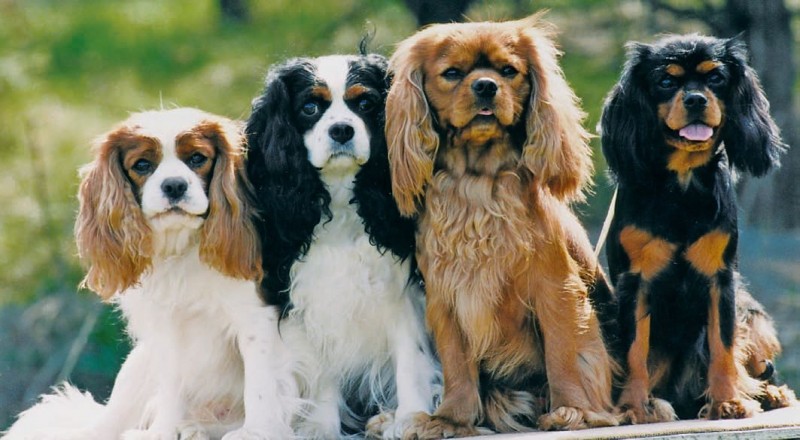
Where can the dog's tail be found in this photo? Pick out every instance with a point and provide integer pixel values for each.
(512, 411)
(65, 409)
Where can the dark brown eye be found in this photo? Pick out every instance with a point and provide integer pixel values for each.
(365, 105)
(142, 167)
(196, 160)
(509, 71)
(667, 83)
(452, 74)
(715, 79)
(310, 108)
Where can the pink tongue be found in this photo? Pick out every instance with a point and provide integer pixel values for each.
(485, 111)
(696, 132)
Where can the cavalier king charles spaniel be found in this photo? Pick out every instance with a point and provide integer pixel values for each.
(340, 258)
(167, 230)
(487, 150)
(687, 111)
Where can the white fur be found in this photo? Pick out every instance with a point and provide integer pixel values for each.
(199, 337)
(356, 325)
(333, 70)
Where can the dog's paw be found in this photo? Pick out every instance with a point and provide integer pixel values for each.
(729, 409)
(777, 397)
(193, 432)
(569, 418)
(653, 410)
(379, 425)
(423, 426)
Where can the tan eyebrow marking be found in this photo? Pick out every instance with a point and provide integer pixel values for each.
(322, 92)
(707, 66)
(675, 70)
(354, 91)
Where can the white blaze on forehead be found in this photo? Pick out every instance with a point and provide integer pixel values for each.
(166, 125)
(333, 70)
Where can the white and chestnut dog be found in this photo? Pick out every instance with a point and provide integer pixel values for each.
(167, 230)
(340, 260)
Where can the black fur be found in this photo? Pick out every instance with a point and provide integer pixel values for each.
(652, 198)
(292, 197)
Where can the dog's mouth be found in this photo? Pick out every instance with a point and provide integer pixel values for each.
(173, 210)
(696, 132)
(485, 115)
(343, 154)
(693, 136)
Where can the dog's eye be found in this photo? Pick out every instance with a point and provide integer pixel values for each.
(310, 108)
(715, 79)
(452, 74)
(667, 82)
(142, 167)
(365, 105)
(508, 71)
(196, 160)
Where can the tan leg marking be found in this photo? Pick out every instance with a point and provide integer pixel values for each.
(725, 402)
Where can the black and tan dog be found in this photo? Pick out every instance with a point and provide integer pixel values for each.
(687, 111)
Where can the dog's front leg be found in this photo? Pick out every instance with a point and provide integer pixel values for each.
(168, 404)
(708, 255)
(414, 376)
(726, 401)
(636, 404)
(577, 364)
(461, 406)
(270, 392)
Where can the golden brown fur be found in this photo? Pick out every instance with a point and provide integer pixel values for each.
(506, 264)
(112, 234)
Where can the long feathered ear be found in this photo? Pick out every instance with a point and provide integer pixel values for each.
(372, 191)
(752, 139)
(112, 235)
(557, 150)
(629, 122)
(229, 242)
(291, 195)
(410, 137)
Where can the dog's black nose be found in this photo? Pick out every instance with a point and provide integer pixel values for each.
(341, 132)
(484, 88)
(174, 187)
(695, 101)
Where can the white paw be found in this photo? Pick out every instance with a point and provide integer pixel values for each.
(388, 425)
(257, 434)
(140, 434)
(193, 432)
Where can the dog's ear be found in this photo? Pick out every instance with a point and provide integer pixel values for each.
(629, 122)
(229, 242)
(557, 150)
(410, 137)
(112, 235)
(751, 137)
(291, 195)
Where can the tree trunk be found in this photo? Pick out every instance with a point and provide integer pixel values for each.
(773, 201)
(437, 11)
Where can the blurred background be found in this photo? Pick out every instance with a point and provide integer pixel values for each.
(70, 69)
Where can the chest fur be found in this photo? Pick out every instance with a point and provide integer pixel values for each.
(345, 292)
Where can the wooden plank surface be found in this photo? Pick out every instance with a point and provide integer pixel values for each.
(778, 424)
